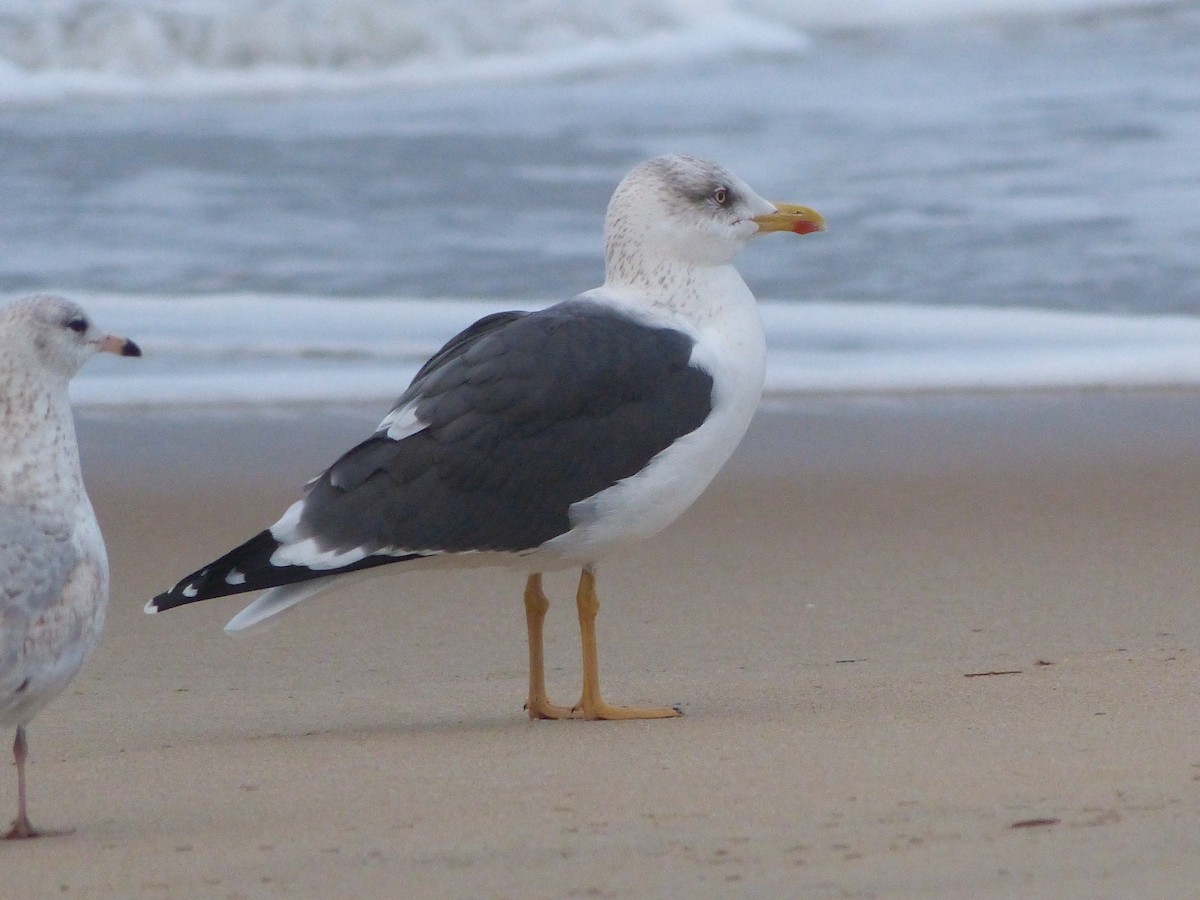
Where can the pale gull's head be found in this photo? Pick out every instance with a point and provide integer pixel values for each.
(682, 210)
(55, 335)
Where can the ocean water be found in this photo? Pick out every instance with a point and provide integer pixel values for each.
(299, 200)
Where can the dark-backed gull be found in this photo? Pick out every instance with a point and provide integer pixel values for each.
(551, 439)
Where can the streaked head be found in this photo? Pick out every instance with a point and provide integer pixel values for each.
(59, 332)
(693, 211)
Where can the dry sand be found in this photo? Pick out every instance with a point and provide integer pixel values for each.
(927, 647)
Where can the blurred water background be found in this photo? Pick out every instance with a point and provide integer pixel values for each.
(297, 200)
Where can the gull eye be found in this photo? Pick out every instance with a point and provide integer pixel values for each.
(720, 196)
(78, 324)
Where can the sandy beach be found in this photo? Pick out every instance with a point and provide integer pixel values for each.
(928, 646)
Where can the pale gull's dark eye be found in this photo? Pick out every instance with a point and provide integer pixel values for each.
(78, 325)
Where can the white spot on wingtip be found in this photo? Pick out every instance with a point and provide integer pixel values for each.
(150, 609)
(190, 591)
(235, 577)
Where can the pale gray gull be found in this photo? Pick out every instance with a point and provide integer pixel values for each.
(551, 439)
(53, 565)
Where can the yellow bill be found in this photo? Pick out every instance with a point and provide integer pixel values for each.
(790, 217)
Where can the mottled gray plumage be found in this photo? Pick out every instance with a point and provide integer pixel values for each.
(53, 564)
(40, 559)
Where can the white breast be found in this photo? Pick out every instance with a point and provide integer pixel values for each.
(731, 347)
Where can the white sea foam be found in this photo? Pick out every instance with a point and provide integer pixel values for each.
(50, 50)
(234, 350)
(874, 347)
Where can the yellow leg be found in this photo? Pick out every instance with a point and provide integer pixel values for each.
(591, 704)
(539, 705)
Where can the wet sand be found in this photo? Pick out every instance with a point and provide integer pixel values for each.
(939, 646)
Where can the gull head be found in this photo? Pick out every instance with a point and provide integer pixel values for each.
(684, 210)
(58, 333)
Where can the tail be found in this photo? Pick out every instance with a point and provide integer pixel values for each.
(278, 599)
(249, 568)
(275, 601)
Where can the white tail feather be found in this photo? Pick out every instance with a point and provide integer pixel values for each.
(275, 601)
(278, 599)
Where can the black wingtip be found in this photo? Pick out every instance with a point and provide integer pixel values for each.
(168, 600)
(249, 568)
(183, 593)
(213, 579)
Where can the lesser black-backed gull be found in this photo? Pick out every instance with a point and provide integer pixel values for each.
(550, 439)
(53, 565)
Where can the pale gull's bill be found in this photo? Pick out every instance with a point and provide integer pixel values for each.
(53, 565)
(551, 439)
